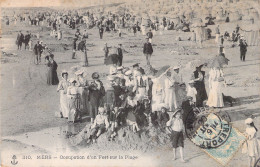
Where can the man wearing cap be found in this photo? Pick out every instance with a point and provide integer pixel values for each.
(148, 51)
(120, 55)
(96, 93)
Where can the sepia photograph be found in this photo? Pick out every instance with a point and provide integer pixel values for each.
(156, 83)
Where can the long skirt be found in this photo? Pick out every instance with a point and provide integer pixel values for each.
(215, 95)
(73, 111)
(171, 99)
(83, 58)
(52, 77)
(64, 107)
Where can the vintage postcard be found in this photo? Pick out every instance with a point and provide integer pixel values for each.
(156, 83)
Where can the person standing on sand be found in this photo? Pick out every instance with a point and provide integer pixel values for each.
(82, 50)
(52, 77)
(37, 52)
(106, 50)
(62, 88)
(19, 40)
(243, 48)
(148, 51)
(101, 31)
(251, 146)
(27, 38)
(74, 48)
(217, 34)
(120, 54)
(96, 93)
(150, 35)
(176, 127)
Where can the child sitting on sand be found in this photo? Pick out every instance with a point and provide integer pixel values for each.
(176, 127)
(100, 125)
(163, 117)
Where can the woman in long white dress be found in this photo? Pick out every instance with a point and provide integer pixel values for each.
(72, 96)
(62, 88)
(216, 81)
(157, 94)
(172, 82)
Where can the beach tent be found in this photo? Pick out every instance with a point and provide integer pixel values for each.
(251, 33)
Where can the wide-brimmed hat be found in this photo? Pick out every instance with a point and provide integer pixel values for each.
(101, 109)
(248, 121)
(95, 75)
(127, 73)
(79, 72)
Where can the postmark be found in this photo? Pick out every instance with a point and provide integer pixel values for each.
(207, 128)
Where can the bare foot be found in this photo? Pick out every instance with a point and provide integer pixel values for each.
(174, 158)
(182, 160)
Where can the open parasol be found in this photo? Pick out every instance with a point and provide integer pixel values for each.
(218, 62)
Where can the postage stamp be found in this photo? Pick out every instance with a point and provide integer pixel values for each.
(207, 129)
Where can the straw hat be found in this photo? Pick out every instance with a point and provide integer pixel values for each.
(101, 109)
(129, 72)
(248, 121)
(79, 72)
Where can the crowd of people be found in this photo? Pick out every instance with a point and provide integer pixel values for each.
(129, 96)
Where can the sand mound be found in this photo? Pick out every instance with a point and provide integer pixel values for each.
(148, 139)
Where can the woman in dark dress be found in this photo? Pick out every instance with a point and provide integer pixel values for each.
(52, 77)
(198, 76)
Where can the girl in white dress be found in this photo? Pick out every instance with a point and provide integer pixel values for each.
(157, 93)
(251, 142)
(216, 81)
(62, 88)
(72, 95)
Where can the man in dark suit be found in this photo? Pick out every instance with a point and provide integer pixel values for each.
(148, 51)
(27, 38)
(101, 31)
(19, 40)
(120, 55)
(37, 51)
(243, 48)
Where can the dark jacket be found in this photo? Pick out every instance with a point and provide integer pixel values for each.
(148, 49)
(243, 46)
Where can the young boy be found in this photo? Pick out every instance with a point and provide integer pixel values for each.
(100, 125)
(175, 125)
(113, 118)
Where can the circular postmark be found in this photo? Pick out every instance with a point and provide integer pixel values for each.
(257, 163)
(207, 128)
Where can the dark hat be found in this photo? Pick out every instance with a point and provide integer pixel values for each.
(136, 65)
(95, 75)
(141, 71)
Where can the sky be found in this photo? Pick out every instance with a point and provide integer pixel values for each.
(55, 3)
